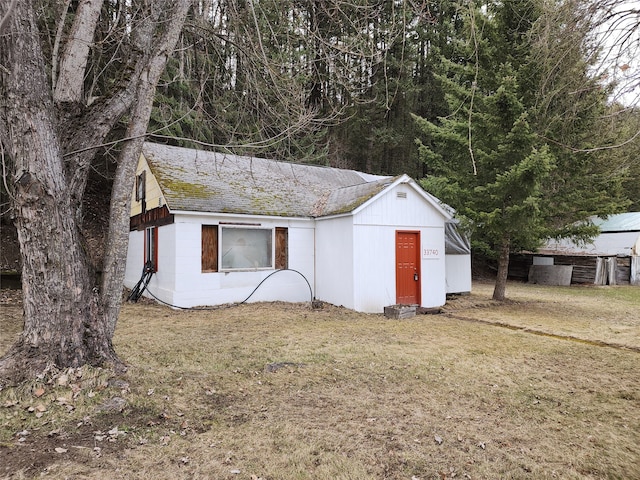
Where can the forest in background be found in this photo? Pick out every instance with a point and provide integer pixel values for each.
(341, 82)
(515, 113)
(519, 114)
(361, 84)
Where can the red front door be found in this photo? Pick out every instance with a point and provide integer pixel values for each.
(407, 268)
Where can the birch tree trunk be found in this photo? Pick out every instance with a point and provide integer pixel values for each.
(68, 322)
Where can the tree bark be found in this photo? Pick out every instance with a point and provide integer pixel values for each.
(63, 325)
(69, 86)
(4, 19)
(499, 291)
(68, 322)
(120, 208)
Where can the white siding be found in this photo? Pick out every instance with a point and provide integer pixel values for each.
(335, 261)
(458, 273)
(375, 268)
(180, 280)
(410, 209)
(434, 271)
(375, 237)
(162, 283)
(135, 259)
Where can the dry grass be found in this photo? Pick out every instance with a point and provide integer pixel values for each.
(278, 391)
(601, 314)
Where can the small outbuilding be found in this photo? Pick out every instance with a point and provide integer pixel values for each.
(613, 258)
(219, 228)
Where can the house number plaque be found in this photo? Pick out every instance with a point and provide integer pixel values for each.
(428, 253)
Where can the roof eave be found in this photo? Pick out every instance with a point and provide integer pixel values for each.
(194, 213)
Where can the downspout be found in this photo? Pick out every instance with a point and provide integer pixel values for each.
(315, 260)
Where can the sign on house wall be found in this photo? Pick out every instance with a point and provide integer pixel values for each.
(431, 252)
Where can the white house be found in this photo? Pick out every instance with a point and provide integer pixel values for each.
(223, 228)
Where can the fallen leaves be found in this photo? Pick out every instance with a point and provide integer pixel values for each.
(62, 391)
(111, 436)
(63, 380)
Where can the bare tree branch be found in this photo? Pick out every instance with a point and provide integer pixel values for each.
(70, 82)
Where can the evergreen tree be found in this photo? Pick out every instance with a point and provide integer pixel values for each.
(378, 134)
(497, 157)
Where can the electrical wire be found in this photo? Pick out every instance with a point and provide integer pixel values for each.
(147, 273)
(141, 286)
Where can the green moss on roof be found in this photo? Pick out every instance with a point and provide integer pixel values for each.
(186, 190)
(169, 180)
(350, 207)
(212, 182)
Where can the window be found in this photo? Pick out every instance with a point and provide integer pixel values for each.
(151, 247)
(237, 248)
(244, 248)
(209, 248)
(141, 190)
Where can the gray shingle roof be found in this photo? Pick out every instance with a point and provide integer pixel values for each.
(201, 181)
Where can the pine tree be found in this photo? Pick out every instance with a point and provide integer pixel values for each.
(499, 156)
(492, 170)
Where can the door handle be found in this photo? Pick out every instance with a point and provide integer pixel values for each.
(415, 276)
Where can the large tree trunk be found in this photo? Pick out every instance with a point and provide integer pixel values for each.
(120, 207)
(68, 322)
(63, 325)
(499, 291)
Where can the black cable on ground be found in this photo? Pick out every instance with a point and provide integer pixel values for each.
(146, 282)
(273, 273)
(141, 286)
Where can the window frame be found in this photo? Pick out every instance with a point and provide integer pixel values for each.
(151, 247)
(278, 238)
(221, 245)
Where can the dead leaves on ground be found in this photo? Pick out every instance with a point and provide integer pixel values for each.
(58, 391)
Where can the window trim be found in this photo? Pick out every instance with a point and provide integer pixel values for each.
(278, 261)
(151, 246)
